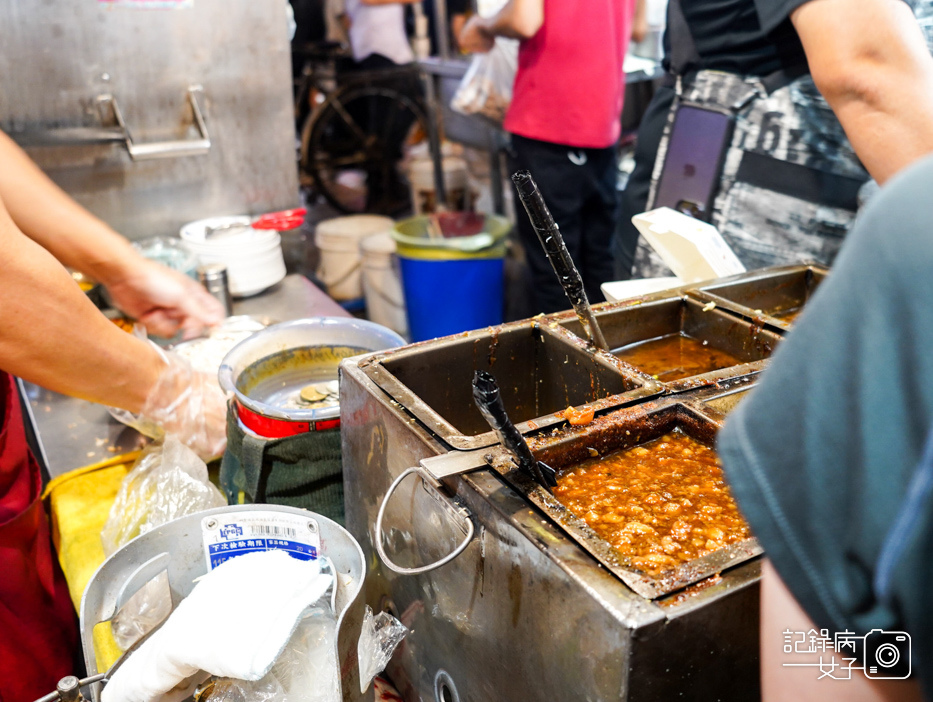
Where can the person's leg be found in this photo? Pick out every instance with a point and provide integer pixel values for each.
(635, 196)
(599, 217)
(780, 683)
(559, 181)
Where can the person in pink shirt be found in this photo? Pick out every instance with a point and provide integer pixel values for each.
(565, 120)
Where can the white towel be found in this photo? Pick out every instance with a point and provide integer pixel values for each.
(235, 623)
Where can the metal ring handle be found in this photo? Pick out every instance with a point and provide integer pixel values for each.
(379, 517)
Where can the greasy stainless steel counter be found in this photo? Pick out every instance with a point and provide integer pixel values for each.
(72, 433)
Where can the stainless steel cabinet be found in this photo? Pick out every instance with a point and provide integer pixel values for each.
(152, 114)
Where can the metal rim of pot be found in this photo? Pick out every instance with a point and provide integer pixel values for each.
(355, 331)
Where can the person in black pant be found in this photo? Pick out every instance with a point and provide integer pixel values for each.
(579, 188)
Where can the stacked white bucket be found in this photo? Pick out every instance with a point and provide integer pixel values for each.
(357, 259)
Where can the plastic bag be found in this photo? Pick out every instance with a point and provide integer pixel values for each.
(486, 87)
(166, 482)
(143, 612)
(378, 639)
(305, 671)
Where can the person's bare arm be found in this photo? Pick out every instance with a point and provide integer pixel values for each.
(164, 300)
(518, 19)
(50, 217)
(639, 21)
(871, 63)
(51, 334)
(780, 612)
(457, 23)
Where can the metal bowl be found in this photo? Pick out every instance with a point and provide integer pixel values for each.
(267, 370)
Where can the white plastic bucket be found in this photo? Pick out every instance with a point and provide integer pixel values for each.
(382, 283)
(421, 176)
(338, 240)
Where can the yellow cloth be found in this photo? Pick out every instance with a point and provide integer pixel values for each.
(80, 504)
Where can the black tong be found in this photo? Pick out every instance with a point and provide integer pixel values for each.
(549, 235)
(489, 402)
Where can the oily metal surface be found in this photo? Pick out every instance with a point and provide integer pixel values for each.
(765, 297)
(615, 431)
(540, 371)
(523, 579)
(644, 319)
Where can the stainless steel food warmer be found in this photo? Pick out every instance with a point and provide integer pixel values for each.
(509, 595)
(771, 296)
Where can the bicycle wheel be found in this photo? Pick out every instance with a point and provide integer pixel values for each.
(352, 146)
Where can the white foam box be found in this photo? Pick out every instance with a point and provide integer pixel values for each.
(693, 250)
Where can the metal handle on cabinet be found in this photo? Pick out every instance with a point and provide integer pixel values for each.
(379, 517)
(161, 149)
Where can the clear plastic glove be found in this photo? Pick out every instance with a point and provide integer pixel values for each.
(165, 301)
(189, 405)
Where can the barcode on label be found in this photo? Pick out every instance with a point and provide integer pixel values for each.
(272, 530)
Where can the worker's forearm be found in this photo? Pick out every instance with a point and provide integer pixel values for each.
(639, 21)
(518, 19)
(50, 217)
(875, 71)
(51, 335)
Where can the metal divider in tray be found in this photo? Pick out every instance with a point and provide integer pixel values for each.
(770, 296)
(618, 430)
(541, 371)
(728, 346)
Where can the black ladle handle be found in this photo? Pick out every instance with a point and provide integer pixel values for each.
(489, 401)
(556, 250)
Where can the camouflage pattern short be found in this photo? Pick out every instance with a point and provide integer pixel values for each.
(794, 124)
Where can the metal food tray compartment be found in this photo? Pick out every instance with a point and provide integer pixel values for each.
(643, 319)
(540, 372)
(613, 432)
(765, 296)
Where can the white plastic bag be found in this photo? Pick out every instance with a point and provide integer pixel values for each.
(166, 482)
(486, 87)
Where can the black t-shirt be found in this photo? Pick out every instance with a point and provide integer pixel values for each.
(748, 37)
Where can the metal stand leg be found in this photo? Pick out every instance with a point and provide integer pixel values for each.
(434, 140)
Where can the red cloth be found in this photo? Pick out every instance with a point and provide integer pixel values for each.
(570, 80)
(38, 632)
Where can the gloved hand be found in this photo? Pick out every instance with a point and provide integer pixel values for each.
(164, 300)
(189, 405)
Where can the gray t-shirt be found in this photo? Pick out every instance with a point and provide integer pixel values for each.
(824, 457)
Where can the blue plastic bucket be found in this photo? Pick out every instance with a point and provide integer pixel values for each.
(451, 284)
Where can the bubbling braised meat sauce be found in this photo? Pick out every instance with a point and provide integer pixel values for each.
(660, 504)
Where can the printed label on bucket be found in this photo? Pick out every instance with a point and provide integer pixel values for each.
(226, 536)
